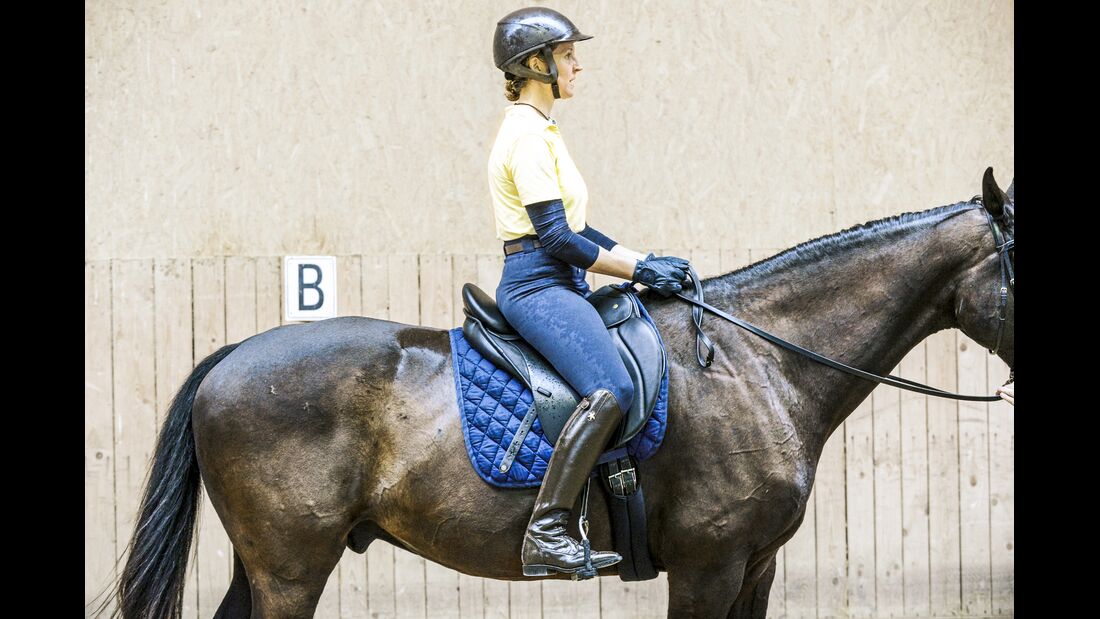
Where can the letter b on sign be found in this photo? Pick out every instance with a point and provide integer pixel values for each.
(310, 287)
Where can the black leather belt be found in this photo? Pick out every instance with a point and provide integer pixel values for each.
(523, 243)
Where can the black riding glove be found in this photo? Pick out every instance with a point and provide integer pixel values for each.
(682, 264)
(664, 276)
(679, 262)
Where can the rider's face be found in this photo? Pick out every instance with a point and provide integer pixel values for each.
(568, 68)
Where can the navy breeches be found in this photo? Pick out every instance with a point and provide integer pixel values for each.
(545, 301)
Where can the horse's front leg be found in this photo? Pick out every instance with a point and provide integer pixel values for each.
(752, 601)
(704, 590)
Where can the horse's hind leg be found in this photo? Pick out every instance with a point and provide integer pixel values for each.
(287, 570)
(288, 546)
(237, 603)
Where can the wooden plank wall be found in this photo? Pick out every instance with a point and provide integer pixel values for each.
(911, 514)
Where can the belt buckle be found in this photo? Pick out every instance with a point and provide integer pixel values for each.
(521, 244)
(515, 246)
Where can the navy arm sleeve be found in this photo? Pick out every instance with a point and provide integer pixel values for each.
(597, 237)
(559, 240)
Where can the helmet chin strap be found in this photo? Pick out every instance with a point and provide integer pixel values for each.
(548, 57)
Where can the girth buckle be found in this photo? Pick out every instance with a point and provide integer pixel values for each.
(621, 478)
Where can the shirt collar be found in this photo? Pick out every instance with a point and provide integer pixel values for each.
(533, 116)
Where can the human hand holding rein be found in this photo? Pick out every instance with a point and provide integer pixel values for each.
(681, 263)
(665, 274)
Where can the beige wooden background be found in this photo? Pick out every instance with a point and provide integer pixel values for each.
(911, 513)
(219, 137)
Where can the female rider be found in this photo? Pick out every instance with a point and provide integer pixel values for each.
(539, 201)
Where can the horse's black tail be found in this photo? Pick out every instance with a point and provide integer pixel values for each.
(151, 584)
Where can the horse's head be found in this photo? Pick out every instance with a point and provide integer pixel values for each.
(984, 300)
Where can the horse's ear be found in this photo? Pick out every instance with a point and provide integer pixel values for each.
(993, 199)
(1011, 193)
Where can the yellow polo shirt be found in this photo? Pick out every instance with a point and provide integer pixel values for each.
(529, 163)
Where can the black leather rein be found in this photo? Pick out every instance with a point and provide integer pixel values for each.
(1003, 247)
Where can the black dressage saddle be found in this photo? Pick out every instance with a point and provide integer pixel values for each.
(635, 338)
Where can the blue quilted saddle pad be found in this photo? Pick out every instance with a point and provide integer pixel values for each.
(492, 403)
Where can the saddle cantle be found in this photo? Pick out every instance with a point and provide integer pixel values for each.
(636, 339)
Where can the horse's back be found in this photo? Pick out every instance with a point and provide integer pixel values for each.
(316, 350)
(320, 373)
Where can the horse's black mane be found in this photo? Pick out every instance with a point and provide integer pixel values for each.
(830, 245)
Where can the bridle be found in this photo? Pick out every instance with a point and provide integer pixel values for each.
(1004, 244)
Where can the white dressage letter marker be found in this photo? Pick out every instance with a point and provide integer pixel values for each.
(310, 287)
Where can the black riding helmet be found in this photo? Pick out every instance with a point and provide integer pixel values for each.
(528, 30)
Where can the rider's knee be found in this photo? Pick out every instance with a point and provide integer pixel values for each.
(624, 394)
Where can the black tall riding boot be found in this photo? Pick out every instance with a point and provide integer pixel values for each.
(546, 546)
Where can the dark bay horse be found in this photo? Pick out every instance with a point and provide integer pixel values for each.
(313, 438)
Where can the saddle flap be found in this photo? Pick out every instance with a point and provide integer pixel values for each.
(613, 304)
(553, 398)
(496, 349)
(640, 348)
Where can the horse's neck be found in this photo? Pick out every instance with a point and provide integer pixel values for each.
(868, 304)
